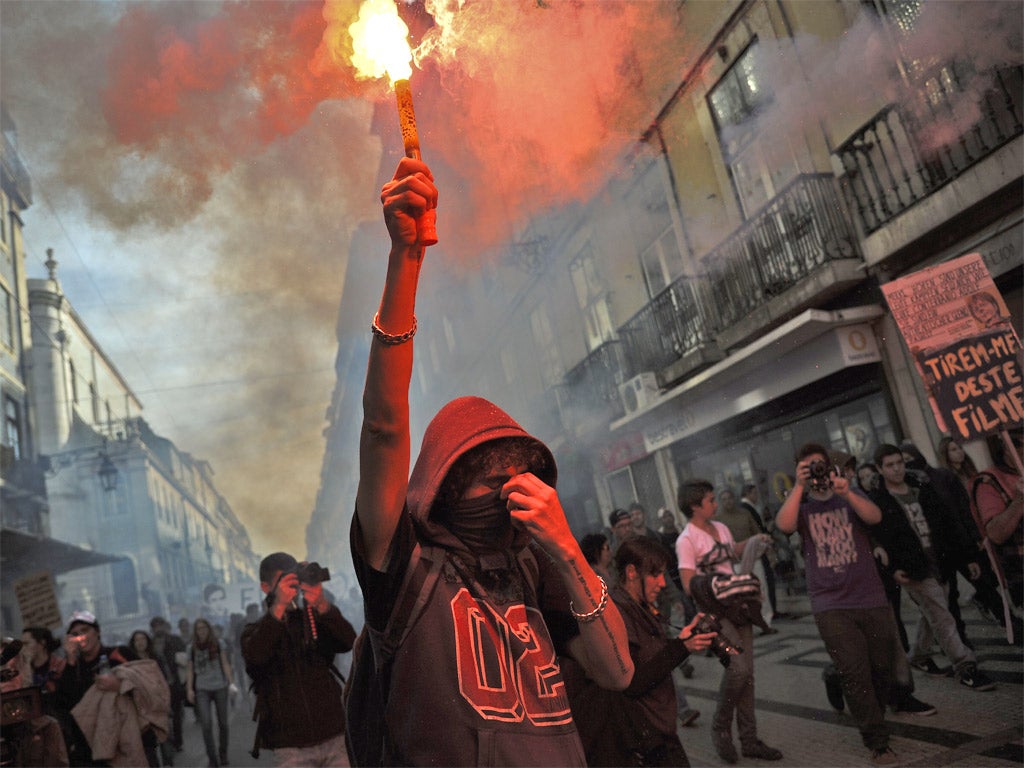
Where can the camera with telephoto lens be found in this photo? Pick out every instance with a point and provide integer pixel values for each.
(312, 573)
(720, 646)
(821, 475)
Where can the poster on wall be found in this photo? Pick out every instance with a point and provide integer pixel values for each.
(957, 326)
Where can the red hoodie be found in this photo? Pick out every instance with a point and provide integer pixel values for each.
(477, 681)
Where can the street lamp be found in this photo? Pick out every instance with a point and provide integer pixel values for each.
(108, 473)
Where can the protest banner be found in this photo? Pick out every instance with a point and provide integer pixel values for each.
(957, 327)
(37, 600)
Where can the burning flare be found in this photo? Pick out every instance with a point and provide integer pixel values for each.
(380, 42)
(380, 46)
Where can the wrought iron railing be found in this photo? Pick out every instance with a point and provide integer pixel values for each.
(799, 230)
(594, 382)
(680, 319)
(906, 153)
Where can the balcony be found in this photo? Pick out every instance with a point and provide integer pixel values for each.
(674, 332)
(904, 155)
(23, 495)
(798, 251)
(590, 392)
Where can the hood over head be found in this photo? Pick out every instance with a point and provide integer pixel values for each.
(458, 427)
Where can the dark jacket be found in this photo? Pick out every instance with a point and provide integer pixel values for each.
(952, 544)
(77, 678)
(636, 726)
(298, 697)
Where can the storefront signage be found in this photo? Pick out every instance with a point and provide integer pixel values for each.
(957, 326)
(623, 452)
(858, 344)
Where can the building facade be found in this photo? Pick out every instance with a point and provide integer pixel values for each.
(115, 486)
(718, 303)
(116, 518)
(29, 556)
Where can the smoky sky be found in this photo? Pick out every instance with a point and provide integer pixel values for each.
(199, 169)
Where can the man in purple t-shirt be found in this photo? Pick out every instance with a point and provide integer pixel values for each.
(850, 608)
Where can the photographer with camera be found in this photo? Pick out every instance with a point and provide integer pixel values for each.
(637, 726)
(289, 654)
(706, 546)
(849, 603)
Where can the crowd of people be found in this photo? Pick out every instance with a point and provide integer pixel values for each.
(493, 636)
(124, 703)
(165, 672)
(861, 536)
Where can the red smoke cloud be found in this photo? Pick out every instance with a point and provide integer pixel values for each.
(528, 102)
(212, 90)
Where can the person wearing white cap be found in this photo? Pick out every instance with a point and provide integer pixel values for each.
(85, 654)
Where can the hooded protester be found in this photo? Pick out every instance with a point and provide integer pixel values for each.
(482, 506)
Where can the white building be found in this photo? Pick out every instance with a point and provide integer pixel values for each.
(116, 487)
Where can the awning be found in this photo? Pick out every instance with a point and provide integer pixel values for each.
(24, 553)
(811, 346)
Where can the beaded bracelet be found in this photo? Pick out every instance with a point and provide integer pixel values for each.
(391, 339)
(586, 618)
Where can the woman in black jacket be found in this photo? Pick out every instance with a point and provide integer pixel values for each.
(637, 726)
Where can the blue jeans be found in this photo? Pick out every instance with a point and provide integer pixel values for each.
(218, 698)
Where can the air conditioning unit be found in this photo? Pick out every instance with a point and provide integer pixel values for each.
(639, 392)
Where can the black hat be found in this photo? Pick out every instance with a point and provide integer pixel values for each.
(617, 515)
(278, 561)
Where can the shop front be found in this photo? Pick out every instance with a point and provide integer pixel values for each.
(816, 378)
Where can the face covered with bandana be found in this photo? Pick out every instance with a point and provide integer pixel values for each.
(482, 522)
(475, 509)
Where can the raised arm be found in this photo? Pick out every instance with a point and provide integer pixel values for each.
(384, 440)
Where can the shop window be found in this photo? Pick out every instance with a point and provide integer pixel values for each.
(648, 488)
(620, 488)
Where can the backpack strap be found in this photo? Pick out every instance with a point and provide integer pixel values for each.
(410, 604)
(989, 479)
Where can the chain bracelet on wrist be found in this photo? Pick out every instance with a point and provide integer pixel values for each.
(586, 618)
(392, 339)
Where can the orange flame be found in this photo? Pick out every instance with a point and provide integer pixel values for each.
(380, 42)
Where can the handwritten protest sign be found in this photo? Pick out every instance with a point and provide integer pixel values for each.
(37, 600)
(957, 326)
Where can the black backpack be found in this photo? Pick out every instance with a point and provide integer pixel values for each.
(366, 690)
